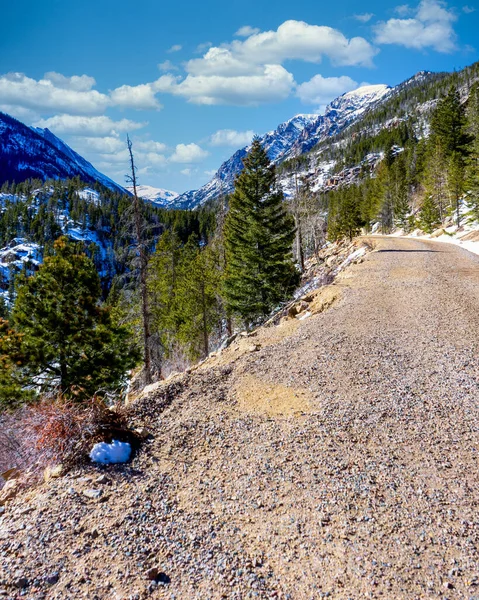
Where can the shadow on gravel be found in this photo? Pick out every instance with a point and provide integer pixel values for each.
(409, 251)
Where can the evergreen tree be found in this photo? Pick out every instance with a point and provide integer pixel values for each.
(163, 288)
(345, 213)
(13, 388)
(197, 298)
(429, 216)
(472, 167)
(450, 137)
(68, 338)
(258, 235)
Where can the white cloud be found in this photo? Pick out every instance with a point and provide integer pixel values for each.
(364, 18)
(297, 40)
(250, 71)
(19, 112)
(79, 83)
(141, 97)
(431, 27)
(87, 126)
(175, 48)
(403, 10)
(320, 90)
(210, 173)
(271, 84)
(54, 93)
(150, 146)
(167, 65)
(186, 172)
(247, 30)
(102, 145)
(230, 137)
(188, 153)
(468, 9)
(200, 48)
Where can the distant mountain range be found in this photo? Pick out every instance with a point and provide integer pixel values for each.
(292, 138)
(31, 152)
(158, 196)
(320, 142)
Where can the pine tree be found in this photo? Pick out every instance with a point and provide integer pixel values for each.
(258, 235)
(449, 135)
(13, 385)
(345, 218)
(429, 216)
(472, 167)
(163, 289)
(197, 300)
(68, 338)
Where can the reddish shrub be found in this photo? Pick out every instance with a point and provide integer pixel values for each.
(56, 431)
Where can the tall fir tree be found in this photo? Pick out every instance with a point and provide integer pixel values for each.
(259, 234)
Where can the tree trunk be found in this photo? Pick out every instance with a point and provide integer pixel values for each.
(145, 309)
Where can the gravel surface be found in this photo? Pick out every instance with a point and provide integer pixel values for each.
(332, 457)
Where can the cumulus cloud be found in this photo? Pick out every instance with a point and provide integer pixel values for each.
(364, 18)
(101, 145)
(150, 146)
(188, 153)
(320, 90)
(246, 31)
(175, 48)
(251, 71)
(80, 83)
(87, 126)
(230, 137)
(298, 40)
(431, 27)
(53, 93)
(270, 83)
(140, 97)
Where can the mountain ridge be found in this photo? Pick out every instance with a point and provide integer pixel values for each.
(35, 153)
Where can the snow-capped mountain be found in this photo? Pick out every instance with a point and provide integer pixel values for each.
(31, 152)
(158, 196)
(291, 138)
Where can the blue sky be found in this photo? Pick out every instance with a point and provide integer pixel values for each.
(191, 82)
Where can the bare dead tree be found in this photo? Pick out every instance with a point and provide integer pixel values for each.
(143, 266)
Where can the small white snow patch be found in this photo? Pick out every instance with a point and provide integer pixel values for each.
(106, 454)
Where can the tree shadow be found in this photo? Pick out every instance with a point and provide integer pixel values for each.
(409, 251)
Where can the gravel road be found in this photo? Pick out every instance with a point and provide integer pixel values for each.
(335, 457)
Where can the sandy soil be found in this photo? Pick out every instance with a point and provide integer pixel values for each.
(335, 457)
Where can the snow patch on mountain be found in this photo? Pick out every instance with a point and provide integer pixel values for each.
(31, 152)
(290, 139)
(158, 196)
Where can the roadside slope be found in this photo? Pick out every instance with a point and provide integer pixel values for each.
(340, 459)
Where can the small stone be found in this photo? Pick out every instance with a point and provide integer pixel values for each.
(52, 578)
(21, 582)
(448, 585)
(152, 573)
(102, 479)
(92, 494)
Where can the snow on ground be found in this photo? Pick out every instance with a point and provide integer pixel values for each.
(450, 237)
(106, 454)
(89, 195)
